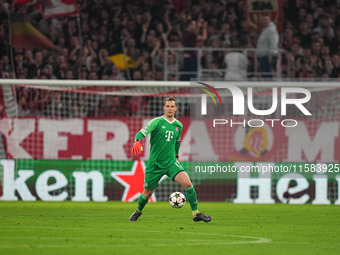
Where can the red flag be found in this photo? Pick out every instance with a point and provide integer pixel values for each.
(54, 8)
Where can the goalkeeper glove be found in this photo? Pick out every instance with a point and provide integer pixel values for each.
(177, 156)
(137, 148)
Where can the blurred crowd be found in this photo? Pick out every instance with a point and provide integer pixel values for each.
(144, 28)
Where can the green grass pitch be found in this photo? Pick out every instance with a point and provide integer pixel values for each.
(103, 228)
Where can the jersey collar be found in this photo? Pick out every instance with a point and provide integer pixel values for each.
(168, 120)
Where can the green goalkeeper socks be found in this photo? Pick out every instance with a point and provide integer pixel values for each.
(142, 201)
(192, 198)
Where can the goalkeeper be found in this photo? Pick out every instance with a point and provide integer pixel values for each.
(165, 134)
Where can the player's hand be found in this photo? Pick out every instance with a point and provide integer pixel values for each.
(137, 148)
(177, 156)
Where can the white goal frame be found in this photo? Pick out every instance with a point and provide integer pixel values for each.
(178, 84)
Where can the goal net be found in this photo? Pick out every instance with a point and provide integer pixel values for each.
(72, 139)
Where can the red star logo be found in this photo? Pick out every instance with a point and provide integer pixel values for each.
(133, 182)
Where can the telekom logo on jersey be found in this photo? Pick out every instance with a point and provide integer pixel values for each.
(238, 100)
(169, 135)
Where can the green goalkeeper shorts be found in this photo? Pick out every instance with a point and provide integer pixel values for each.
(153, 174)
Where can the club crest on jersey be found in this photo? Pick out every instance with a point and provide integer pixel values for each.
(176, 129)
(145, 185)
(163, 126)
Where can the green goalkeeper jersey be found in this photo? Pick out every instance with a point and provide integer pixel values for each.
(164, 137)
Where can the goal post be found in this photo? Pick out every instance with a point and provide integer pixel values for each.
(72, 139)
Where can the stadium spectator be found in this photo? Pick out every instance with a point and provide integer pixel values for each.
(35, 69)
(287, 38)
(48, 72)
(69, 74)
(6, 66)
(111, 107)
(236, 66)
(61, 67)
(116, 74)
(267, 48)
(22, 107)
(336, 66)
(57, 106)
(190, 36)
(304, 34)
(173, 66)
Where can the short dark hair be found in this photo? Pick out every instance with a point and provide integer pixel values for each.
(169, 99)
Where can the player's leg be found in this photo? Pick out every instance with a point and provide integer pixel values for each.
(142, 201)
(150, 183)
(179, 175)
(183, 179)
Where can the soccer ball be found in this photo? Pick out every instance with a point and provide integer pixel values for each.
(177, 200)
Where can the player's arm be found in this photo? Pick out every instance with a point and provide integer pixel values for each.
(178, 144)
(137, 146)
